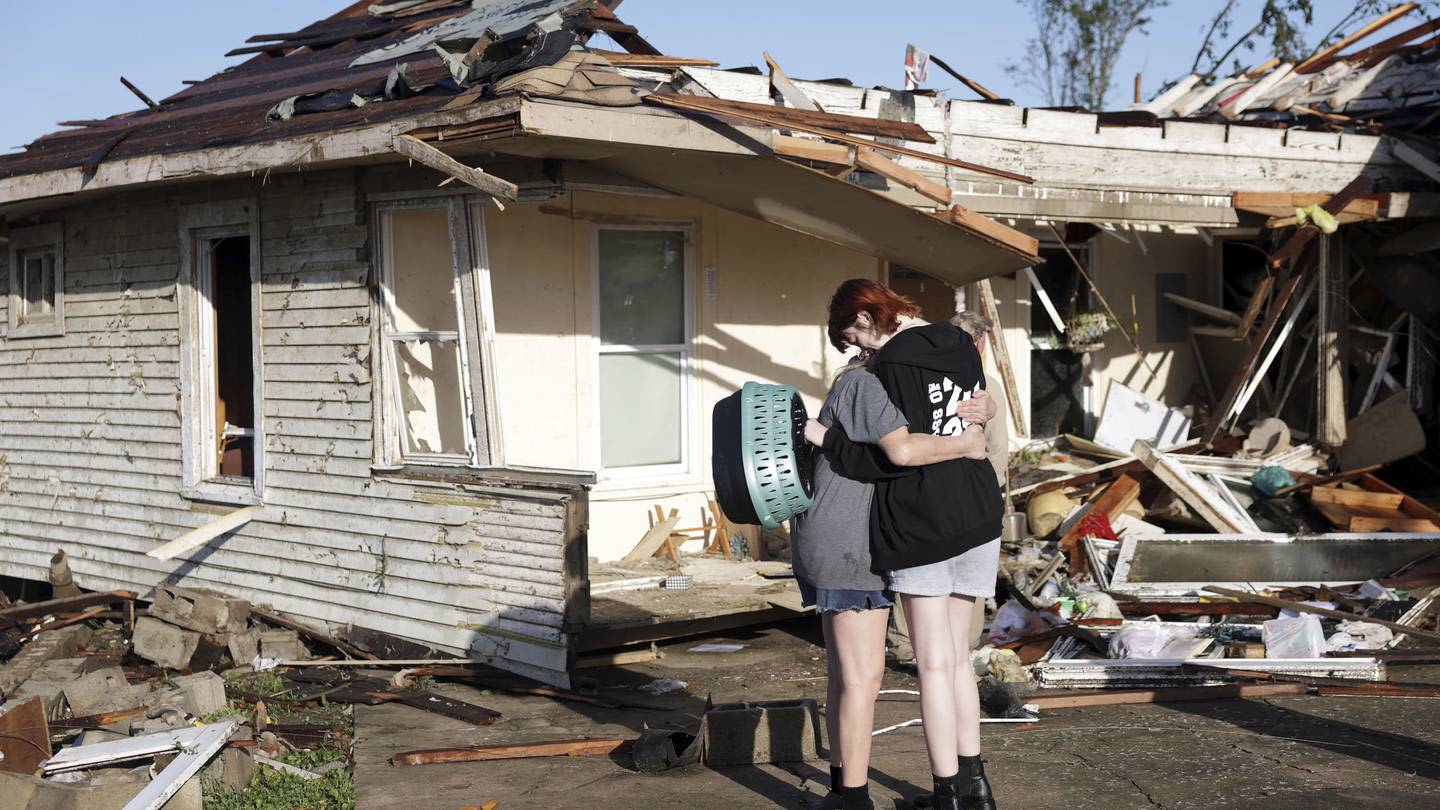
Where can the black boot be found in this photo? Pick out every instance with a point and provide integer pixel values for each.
(973, 787)
(976, 787)
(948, 790)
(856, 798)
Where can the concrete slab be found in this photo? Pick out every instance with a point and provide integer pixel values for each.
(1284, 753)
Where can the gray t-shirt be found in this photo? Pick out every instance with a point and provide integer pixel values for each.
(830, 543)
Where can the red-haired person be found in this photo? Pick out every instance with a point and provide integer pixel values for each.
(934, 529)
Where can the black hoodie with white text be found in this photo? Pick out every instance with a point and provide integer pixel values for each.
(923, 515)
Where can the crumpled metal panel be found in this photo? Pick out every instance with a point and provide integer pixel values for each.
(504, 16)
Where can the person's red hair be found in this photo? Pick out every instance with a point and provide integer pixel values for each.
(884, 306)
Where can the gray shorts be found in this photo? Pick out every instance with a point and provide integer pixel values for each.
(968, 574)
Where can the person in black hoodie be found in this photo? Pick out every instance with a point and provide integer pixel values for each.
(934, 530)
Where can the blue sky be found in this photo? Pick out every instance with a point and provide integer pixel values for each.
(55, 69)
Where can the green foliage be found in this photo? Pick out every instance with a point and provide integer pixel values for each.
(233, 708)
(276, 790)
(1076, 46)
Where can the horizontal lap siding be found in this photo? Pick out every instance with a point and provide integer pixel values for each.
(90, 444)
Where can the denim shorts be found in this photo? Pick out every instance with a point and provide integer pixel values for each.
(834, 600)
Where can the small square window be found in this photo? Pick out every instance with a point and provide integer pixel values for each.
(37, 282)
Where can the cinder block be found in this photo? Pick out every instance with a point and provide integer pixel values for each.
(199, 694)
(50, 645)
(282, 644)
(104, 690)
(165, 644)
(201, 610)
(49, 682)
(244, 646)
(762, 732)
(234, 767)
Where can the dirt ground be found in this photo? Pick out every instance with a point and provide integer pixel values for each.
(1292, 752)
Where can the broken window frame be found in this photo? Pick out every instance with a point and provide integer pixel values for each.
(44, 242)
(201, 226)
(689, 452)
(470, 265)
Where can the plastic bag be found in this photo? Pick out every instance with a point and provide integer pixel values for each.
(1013, 621)
(1156, 640)
(1300, 637)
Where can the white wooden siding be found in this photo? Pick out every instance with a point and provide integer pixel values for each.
(90, 444)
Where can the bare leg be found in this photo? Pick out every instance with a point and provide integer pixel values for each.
(967, 697)
(858, 638)
(934, 643)
(832, 693)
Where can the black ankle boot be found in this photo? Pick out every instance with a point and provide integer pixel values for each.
(856, 798)
(976, 793)
(948, 791)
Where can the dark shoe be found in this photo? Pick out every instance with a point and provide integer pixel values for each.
(856, 798)
(977, 794)
(946, 796)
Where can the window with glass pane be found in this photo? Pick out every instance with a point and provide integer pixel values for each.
(644, 349)
(37, 285)
(427, 369)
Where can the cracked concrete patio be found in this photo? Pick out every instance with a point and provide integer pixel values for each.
(1292, 752)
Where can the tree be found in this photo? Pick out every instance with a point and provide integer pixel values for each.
(1281, 25)
(1075, 48)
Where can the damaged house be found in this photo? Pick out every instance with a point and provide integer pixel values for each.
(402, 321)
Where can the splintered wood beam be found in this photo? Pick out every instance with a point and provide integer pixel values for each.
(421, 152)
(1253, 309)
(810, 149)
(996, 232)
(785, 118)
(1001, 353)
(871, 160)
(1321, 611)
(481, 753)
(622, 59)
(1356, 188)
(1212, 312)
(793, 95)
(132, 88)
(975, 86)
(198, 537)
(797, 119)
(1257, 345)
(1365, 30)
(1111, 503)
(1381, 49)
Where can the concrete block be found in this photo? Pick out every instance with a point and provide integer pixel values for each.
(198, 609)
(282, 644)
(199, 694)
(49, 682)
(761, 732)
(97, 789)
(234, 767)
(52, 644)
(165, 644)
(104, 690)
(244, 646)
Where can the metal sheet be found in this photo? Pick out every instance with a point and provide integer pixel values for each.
(504, 16)
(1183, 565)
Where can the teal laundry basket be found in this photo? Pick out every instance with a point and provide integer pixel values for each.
(761, 463)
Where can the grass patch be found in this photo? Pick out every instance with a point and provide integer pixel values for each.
(276, 790)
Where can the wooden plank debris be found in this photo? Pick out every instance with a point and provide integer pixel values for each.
(785, 118)
(987, 228)
(1311, 64)
(55, 607)
(1193, 490)
(641, 60)
(1170, 694)
(978, 88)
(654, 538)
(1111, 503)
(1001, 352)
(195, 538)
(422, 152)
(483, 753)
(793, 95)
(1321, 611)
(871, 160)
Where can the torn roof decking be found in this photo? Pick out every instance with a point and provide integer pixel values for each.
(229, 108)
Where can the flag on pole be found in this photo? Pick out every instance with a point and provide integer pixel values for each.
(917, 66)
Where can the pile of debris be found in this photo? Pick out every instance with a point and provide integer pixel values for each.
(1248, 562)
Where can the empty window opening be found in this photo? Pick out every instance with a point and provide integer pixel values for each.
(233, 370)
(429, 374)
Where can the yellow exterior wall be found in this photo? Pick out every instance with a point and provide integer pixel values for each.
(765, 323)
